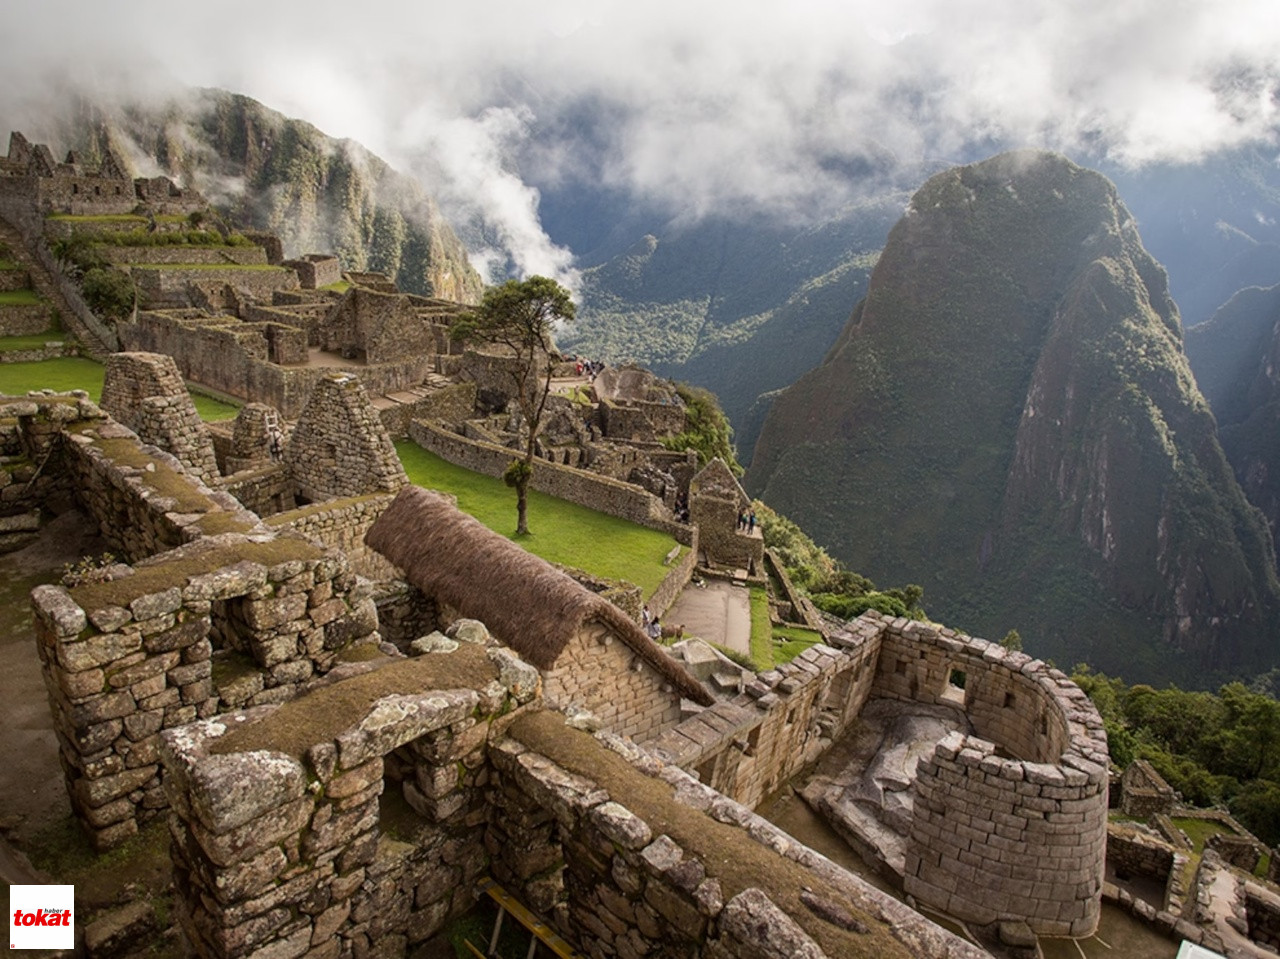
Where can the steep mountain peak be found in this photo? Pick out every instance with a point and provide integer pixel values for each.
(1009, 419)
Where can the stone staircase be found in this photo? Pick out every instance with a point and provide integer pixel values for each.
(50, 290)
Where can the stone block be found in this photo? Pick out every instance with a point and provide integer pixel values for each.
(228, 791)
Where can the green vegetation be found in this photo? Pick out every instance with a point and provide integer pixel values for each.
(140, 237)
(565, 533)
(61, 375)
(7, 264)
(707, 429)
(832, 588)
(791, 641)
(20, 298)
(762, 654)
(1211, 747)
(249, 267)
(520, 316)
(340, 287)
(63, 851)
(77, 373)
(32, 341)
(916, 453)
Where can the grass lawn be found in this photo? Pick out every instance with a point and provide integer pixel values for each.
(255, 267)
(562, 532)
(20, 298)
(340, 287)
(761, 630)
(791, 641)
(1199, 830)
(63, 374)
(76, 373)
(32, 342)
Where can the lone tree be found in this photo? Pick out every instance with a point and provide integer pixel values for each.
(519, 316)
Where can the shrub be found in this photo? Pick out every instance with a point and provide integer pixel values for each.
(108, 292)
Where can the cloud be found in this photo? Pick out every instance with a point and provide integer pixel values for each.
(691, 106)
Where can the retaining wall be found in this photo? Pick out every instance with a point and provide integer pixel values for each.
(26, 319)
(616, 498)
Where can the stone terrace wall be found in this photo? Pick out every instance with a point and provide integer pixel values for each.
(299, 861)
(49, 352)
(218, 255)
(600, 864)
(163, 283)
(452, 403)
(26, 320)
(997, 838)
(341, 524)
(610, 496)
(605, 676)
(1139, 855)
(748, 747)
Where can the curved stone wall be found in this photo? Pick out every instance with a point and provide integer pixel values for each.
(1010, 823)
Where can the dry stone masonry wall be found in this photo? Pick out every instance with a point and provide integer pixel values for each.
(1006, 828)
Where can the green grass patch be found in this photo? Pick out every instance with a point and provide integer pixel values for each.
(20, 298)
(761, 630)
(33, 341)
(562, 532)
(101, 218)
(6, 264)
(1199, 830)
(76, 373)
(62, 374)
(791, 641)
(212, 410)
(340, 287)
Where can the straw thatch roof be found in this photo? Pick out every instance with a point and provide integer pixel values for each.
(526, 602)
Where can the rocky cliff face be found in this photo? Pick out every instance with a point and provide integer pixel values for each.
(1236, 359)
(1009, 420)
(273, 173)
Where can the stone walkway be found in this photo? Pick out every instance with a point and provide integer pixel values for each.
(717, 612)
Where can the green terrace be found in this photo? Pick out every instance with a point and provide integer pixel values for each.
(561, 532)
(31, 341)
(260, 267)
(130, 218)
(20, 298)
(76, 373)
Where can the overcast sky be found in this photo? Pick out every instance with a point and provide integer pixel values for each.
(710, 105)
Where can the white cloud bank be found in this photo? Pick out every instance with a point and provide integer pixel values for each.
(710, 105)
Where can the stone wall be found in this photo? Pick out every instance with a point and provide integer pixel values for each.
(265, 490)
(26, 319)
(285, 868)
(316, 270)
(610, 496)
(1144, 793)
(375, 327)
(127, 658)
(303, 862)
(233, 357)
(580, 833)
(184, 254)
(145, 392)
(603, 675)
(676, 580)
(51, 351)
(451, 404)
(997, 838)
(160, 284)
(1131, 853)
(338, 447)
(992, 838)
(341, 524)
(748, 747)
(640, 421)
(1262, 915)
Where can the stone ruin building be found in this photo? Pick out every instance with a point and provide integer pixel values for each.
(244, 674)
(30, 172)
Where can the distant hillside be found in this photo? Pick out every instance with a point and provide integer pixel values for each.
(1009, 420)
(1236, 360)
(741, 308)
(269, 172)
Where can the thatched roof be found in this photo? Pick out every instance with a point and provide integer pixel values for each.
(526, 602)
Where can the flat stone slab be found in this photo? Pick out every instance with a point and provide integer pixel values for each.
(717, 612)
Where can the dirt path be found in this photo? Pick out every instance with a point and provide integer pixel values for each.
(30, 777)
(718, 612)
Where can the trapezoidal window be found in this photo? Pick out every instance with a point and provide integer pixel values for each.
(953, 689)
